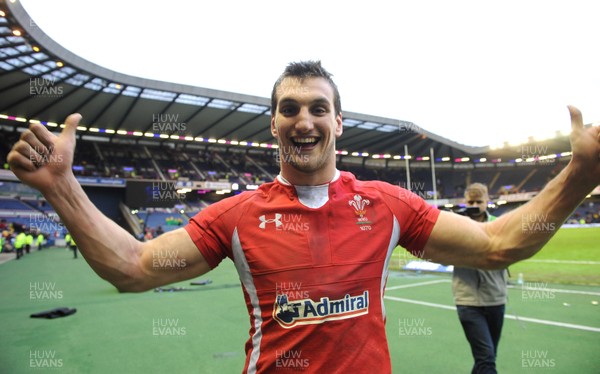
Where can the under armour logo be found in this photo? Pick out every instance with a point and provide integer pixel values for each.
(264, 221)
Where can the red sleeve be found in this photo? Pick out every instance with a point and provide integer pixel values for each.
(211, 230)
(415, 216)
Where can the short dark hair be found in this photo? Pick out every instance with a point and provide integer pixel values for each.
(303, 70)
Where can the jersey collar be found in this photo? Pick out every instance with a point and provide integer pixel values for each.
(285, 182)
(311, 196)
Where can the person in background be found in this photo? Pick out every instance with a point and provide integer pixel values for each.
(39, 241)
(72, 245)
(480, 295)
(20, 239)
(28, 241)
(67, 240)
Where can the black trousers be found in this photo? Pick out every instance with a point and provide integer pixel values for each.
(482, 327)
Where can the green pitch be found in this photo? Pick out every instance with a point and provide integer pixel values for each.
(572, 256)
(549, 327)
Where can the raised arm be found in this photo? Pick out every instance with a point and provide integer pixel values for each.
(522, 232)
(43, 161)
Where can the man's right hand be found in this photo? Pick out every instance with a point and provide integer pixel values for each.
(40, 158)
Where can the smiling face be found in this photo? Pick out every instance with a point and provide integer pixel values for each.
(305, 125)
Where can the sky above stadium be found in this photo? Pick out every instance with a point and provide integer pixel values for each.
(476, 72)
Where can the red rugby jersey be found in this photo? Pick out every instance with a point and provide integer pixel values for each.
(313, 262)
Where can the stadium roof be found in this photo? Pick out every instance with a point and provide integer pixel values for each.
(42, 81)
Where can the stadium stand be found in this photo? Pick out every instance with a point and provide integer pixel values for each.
(214, 142)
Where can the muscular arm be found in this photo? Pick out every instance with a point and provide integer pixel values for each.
(117, 256)
(43, 161)
(522, 232)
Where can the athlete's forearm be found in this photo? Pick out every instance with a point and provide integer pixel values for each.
(522, 232)
(110, 250)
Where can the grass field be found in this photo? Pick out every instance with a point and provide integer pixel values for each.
(554, 328)
(572, 256)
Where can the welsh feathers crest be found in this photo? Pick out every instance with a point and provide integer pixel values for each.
(359, 204)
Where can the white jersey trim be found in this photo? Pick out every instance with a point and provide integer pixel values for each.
(394, 238)
(243, 269)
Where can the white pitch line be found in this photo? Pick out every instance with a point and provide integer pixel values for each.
(509, 316)
(542, 288)
(553, 323)
(576, 262)
(441, 306)
(417, 284)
